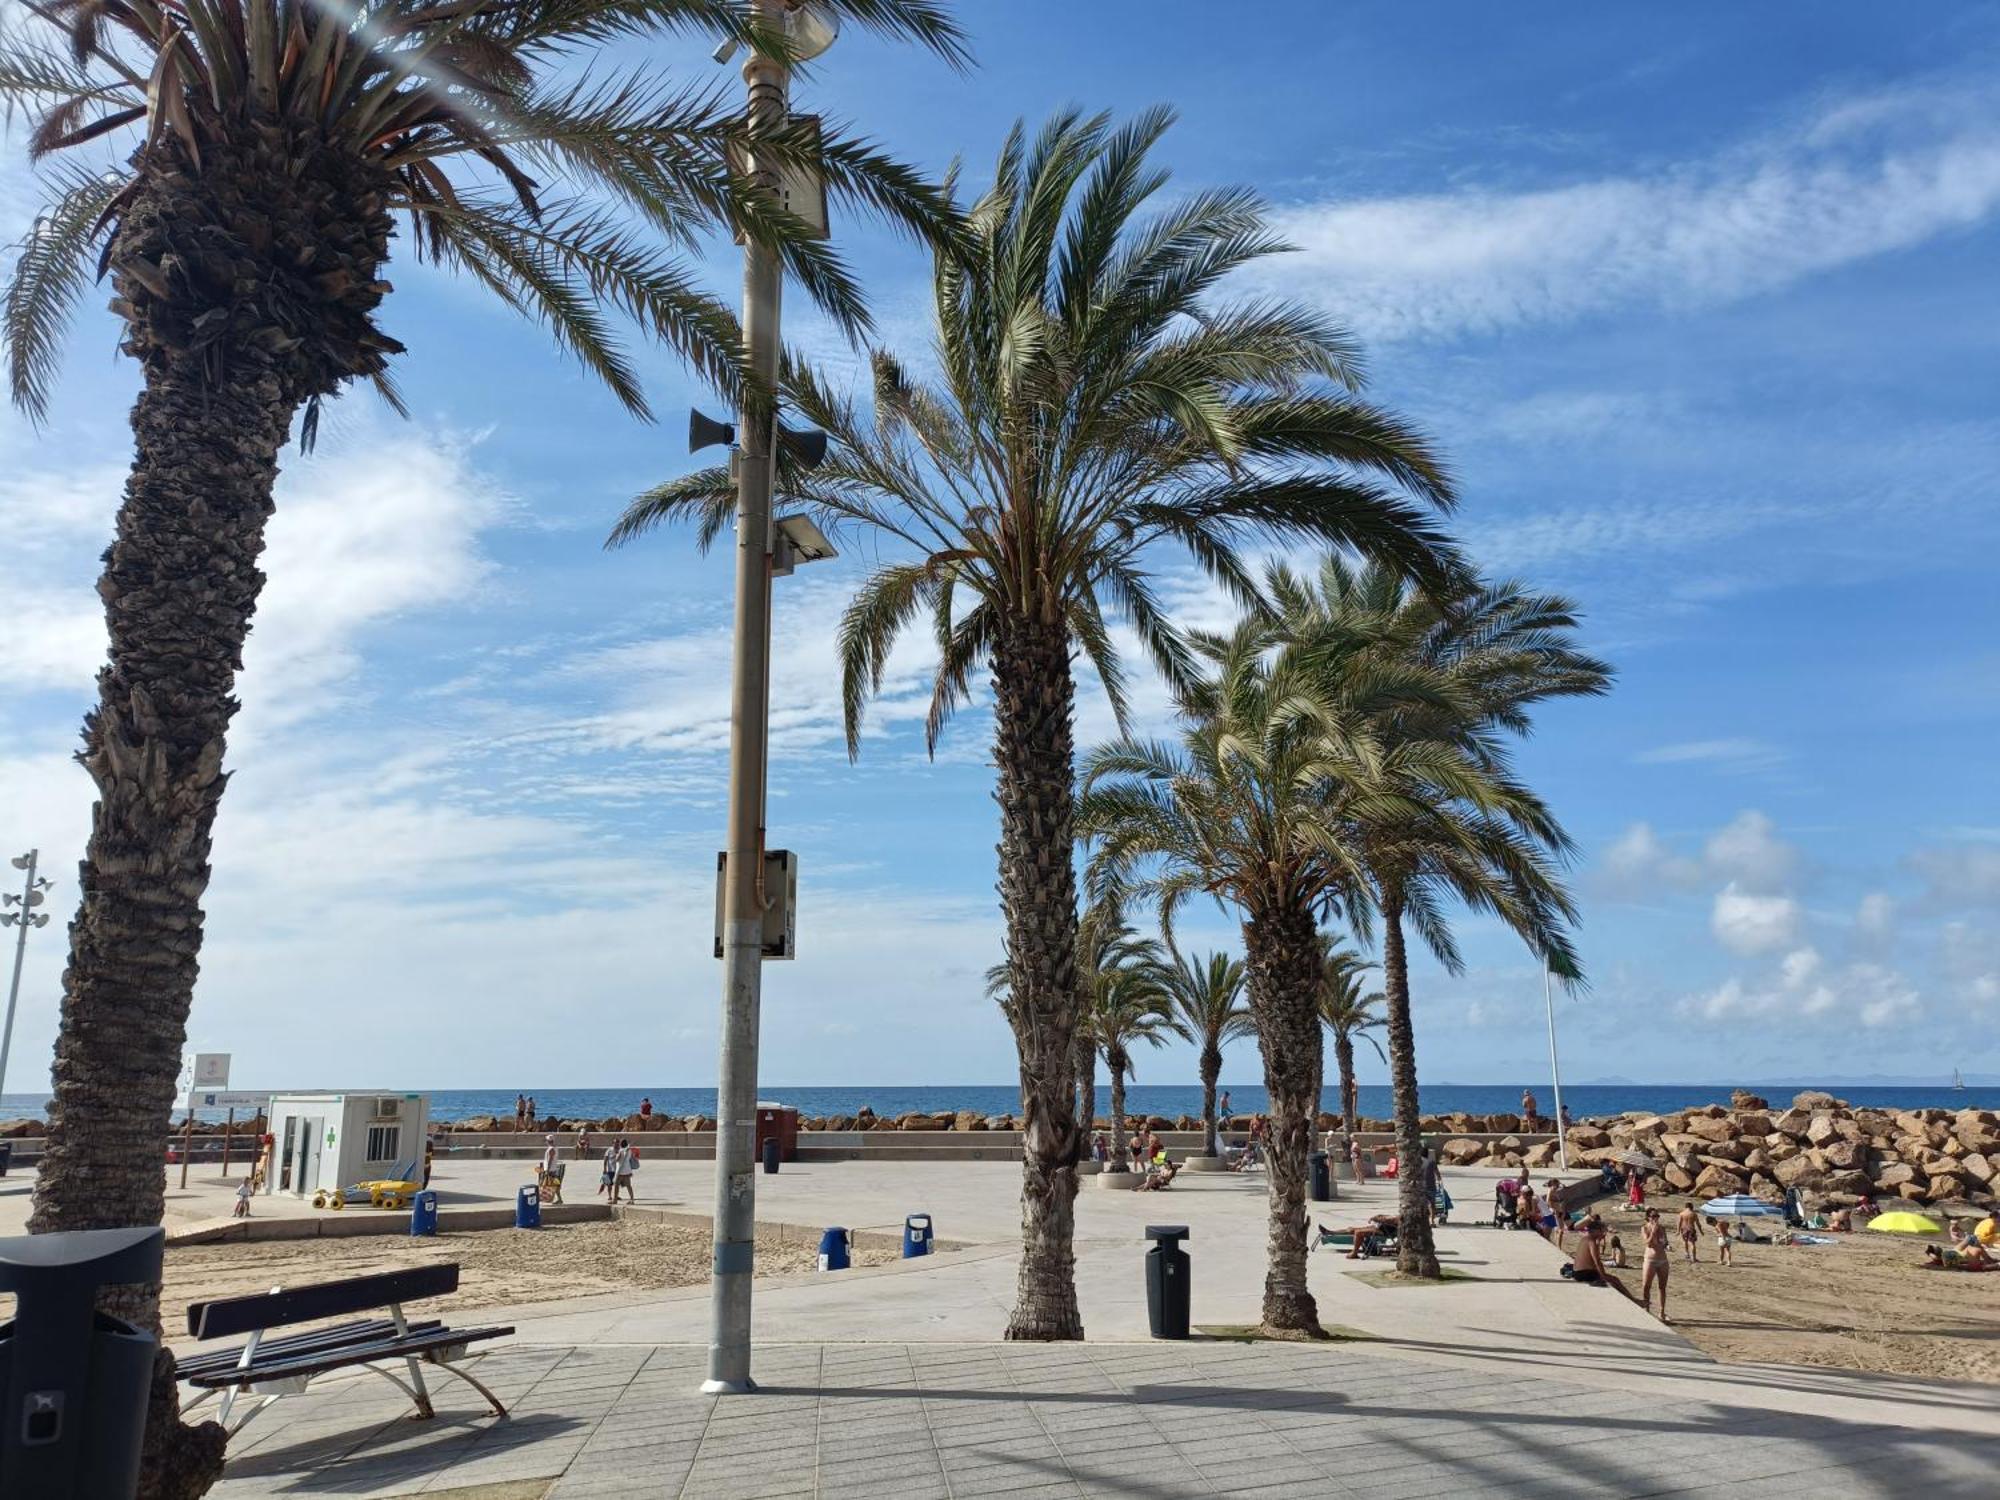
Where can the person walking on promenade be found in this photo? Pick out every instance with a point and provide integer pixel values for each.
(622, 1176)
(582, 1144)
(1222, 1106)
(607, 1183)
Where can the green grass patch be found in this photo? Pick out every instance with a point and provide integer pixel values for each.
(1397, 1278)
(1252, 1333)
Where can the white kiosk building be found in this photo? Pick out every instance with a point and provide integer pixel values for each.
(335, 1140)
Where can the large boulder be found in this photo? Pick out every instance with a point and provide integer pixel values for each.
(1945, 1189)
(1505, 1124)
(1741, 1099)
(1542, 1154)
(1798, 1172)
(1845, 1156)
(1855, 1183)
(1822, 1128)
(1792, 1122)
(1980, 1167)
(1716, 1180)
(1711, 1128)
(1461, 1152)
(1892, 1177)
(477, 1122)
(1755, 1122)
(1755, 1159)
(1976, 1129)
(1814, 1099)
(840, 1122)
(1677, 1178)
(1589, 1137)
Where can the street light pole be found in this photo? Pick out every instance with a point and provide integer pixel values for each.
(26, 917)
(735, 1222)
(1555, 1067)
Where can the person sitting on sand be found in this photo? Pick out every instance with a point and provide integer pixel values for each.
(1972, 1258)
(1987, 1230)
(1841, 1220)
(1614, 1253)
(1867, 1208)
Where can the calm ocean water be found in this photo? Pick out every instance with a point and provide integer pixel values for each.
(1161, 1099)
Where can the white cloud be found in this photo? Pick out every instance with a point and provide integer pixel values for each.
(1750, 925)
(1738, 755)
(1638, 865)
(1869, 995)
(1959, 875)
(1748, 852)
(1861, 179)
(1875, 917)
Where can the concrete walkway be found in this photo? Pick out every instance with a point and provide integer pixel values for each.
(890, 1381)
(1124, 1421)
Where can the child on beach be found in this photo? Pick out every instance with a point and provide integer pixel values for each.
(1721, 1241)
(243, 1200)
(607, 1182)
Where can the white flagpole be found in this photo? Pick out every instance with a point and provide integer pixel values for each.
(1555, 1067)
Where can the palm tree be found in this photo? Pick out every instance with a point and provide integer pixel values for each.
(1243, 809)
(1093, 398)
(1129, 1007)
(246, 232)
(1348, 1014)
(1206, 993)
(1446, 817)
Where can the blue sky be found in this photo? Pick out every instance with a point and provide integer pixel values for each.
(1700, 301)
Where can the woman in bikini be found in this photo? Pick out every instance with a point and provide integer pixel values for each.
(1656, 1264)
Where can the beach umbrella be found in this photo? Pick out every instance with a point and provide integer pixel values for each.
(1741, 1206)
(1640, 1159)
(1902, 1222)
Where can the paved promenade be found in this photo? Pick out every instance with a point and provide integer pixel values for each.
(891, 1382)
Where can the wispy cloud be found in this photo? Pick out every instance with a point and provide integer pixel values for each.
(1724, 754)
(1857, 179)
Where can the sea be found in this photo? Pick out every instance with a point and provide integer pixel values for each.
(1172, 1100)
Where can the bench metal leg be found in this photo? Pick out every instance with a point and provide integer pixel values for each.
(492, 1400)
(421, 1395)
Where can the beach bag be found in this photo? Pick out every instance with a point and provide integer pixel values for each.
(632, 1160)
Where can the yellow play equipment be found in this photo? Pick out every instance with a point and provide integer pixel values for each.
(379, 1192)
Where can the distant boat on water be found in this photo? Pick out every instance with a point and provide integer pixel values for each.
(1957, 1080)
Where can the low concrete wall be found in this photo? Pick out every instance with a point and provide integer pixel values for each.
(349, 1222)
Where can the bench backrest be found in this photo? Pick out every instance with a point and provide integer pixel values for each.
(227, 1316)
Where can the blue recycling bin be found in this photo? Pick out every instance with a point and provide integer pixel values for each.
(916, 1236)
(424, 1215)
(833, 1250)
(528, 1207)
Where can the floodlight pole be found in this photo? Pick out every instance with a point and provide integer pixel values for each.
(25, 919)
(743, 897)
(1555, 1067)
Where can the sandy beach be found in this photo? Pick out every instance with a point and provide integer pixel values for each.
(496, 1269)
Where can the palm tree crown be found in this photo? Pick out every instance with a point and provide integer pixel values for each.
(1091, 400)
(1206, 992)
(277, 137)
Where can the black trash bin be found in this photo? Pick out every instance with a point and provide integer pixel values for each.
(1322, 1178)
(6, 1156)
(771, 1150)
(73, 1381)
(1167, 1287)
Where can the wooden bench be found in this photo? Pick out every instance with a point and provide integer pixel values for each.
(274, 1367)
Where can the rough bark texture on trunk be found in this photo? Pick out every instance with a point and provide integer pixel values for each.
(1115, 1060)
(1343, 1057)
(1415, 1253)
(1086, 1086)
(1034, 697)
(1282, 968)
(247, 289)
(1211, 1071)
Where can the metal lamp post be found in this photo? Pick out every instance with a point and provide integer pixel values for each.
(30, 898)
(1555, 1068)
(808, 32)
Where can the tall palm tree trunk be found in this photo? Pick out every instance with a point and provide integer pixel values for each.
(179, 585)
(1034, 697)
(1415, 1253)
(1116, 1061)
(1283, 975)
(1086, 1086)
(1343, 1057)
(1211, 1072)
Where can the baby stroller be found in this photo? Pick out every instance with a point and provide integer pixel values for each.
(1506, 1209)
(549, 1183)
